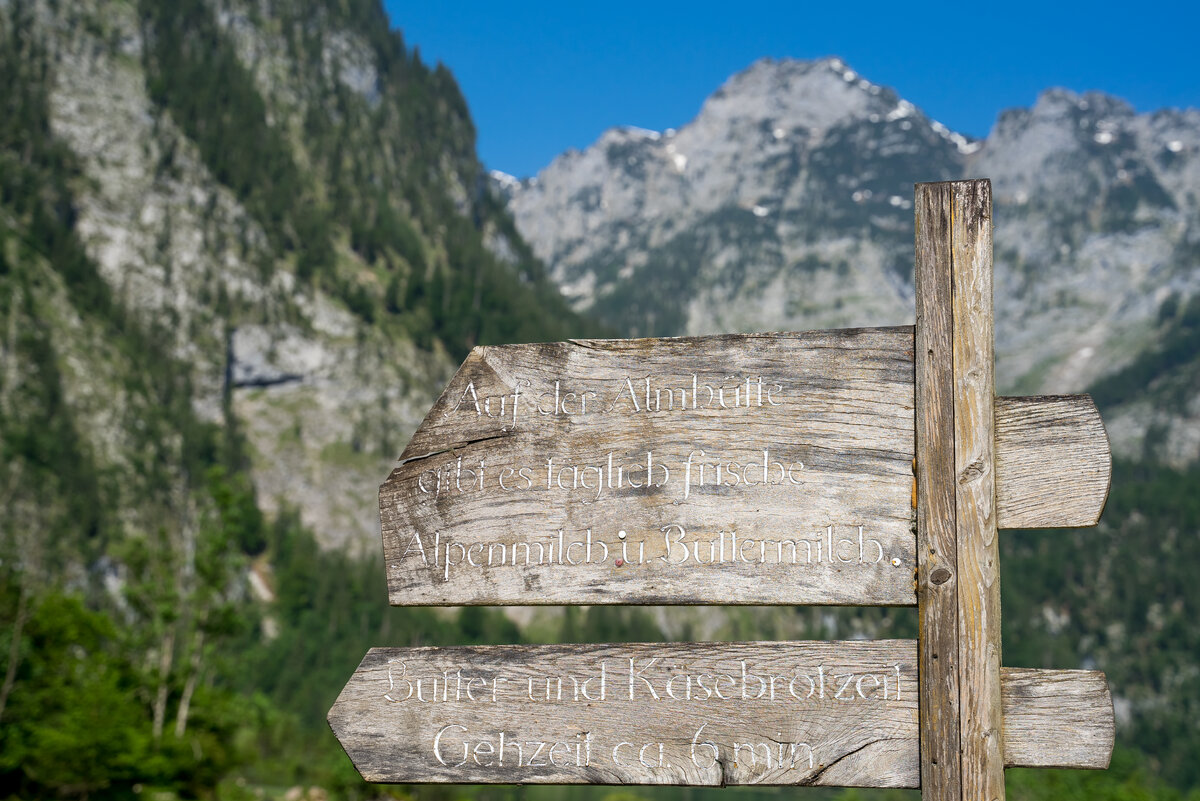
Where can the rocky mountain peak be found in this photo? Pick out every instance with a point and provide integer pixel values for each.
(786, 204)
(1059, 102)
(794, 95)
(730, 199)
(1063, 120)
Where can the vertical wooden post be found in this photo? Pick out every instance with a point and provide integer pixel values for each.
(937, 547)
(958, 569)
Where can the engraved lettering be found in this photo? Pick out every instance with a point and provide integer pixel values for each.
(437, 745)
(636, 674)
(710, 750)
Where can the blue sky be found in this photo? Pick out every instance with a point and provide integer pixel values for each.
(543, 77)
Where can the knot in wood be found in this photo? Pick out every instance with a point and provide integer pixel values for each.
(973, 472)
(940, 576)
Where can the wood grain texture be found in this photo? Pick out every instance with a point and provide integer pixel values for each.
(1053, 463)
(838, 702)
(832, 411)
(980, 712)
(851, 396)
(937, 550)
(827, 521)
(1057, 718)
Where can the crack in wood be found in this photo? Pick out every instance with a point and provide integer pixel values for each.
(453, 448)
(814, 778)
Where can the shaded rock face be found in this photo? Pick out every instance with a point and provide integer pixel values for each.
(787, 204)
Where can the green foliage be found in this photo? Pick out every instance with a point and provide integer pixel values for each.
(1128, 778)
(76, 723)
(38, 437)
(1171, 362)
(241, 520)
(68, 683)
(609, 624)
(101, 693)
(1118, 597)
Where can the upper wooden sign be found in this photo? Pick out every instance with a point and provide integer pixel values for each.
(750, 469)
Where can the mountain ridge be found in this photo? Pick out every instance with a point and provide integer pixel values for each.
(786, 204)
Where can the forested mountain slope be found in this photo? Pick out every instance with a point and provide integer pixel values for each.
(241, 246)
(291, 198)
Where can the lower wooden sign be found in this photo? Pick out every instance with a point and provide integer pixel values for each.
(785, 713)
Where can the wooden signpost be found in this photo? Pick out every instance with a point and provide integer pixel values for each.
(857, 467)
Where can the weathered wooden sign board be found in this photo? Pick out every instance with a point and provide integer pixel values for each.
(865, 467)
(771, 469)
(754, 468)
